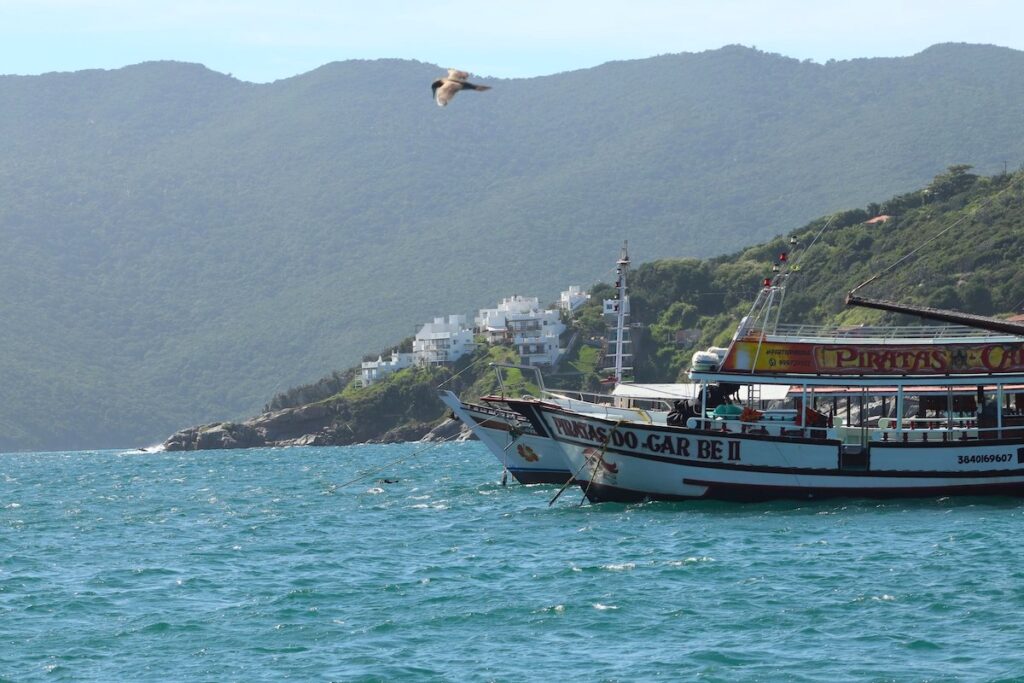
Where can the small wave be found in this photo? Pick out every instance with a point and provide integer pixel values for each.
(691, 560)
(147, 450)
(622, 567)
(599, 606)
(557, 609)
(921, 644)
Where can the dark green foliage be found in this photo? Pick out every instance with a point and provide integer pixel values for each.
(328, 386)
(953, 182)
(971, 250)
(176, 245)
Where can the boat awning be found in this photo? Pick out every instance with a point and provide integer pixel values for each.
(795, 391)
(690, 390)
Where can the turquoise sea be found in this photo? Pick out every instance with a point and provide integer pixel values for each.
(263, 565)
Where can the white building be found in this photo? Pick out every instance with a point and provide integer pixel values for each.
(443, 341)
(493, 322)
(573, 298)
(520, 321)
(376, 370)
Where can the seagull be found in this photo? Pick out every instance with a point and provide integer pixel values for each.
(444, 89)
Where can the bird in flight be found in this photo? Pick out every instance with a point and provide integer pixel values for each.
(444, 89)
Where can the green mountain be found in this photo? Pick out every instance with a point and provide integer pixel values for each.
(176, 245)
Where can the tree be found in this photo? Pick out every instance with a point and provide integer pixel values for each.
(955, 180)
(977, 298)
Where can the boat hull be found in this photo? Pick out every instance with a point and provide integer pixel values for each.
(629, 462)
(602, 493)
(529, 458)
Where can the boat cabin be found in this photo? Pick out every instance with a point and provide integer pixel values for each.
(864, 385)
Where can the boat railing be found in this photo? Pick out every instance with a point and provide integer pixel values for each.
(917, 430)
(582, 396)
(878, 332)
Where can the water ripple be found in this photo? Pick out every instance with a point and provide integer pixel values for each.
(262, 565)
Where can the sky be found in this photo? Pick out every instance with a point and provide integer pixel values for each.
(264, 40)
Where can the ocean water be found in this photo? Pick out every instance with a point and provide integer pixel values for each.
(267, 565)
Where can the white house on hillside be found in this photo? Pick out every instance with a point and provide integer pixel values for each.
(520, 321)
(572, 298)
(375, 370)
(493, 322)
(443, 341)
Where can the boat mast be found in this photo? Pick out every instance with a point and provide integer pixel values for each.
(760, 317)
(622, 316)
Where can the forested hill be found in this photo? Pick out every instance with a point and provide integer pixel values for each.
(177, 245)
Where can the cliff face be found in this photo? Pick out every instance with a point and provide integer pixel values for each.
(312, 425)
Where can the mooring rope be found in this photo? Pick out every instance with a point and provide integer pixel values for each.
(465, 369)
(513, 436)
(568, 482)
(600, 455)
(399, 461)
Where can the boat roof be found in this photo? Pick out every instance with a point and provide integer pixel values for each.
(795, 391)
(873, 360)
(857, 382)
(896, 335)
(768, 392)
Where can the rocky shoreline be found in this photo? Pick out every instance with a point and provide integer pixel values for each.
(309, 425)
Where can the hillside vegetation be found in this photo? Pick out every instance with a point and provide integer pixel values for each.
(176, 246)
(967, 230)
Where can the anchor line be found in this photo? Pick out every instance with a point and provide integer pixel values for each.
(579, 469)
(399, 461)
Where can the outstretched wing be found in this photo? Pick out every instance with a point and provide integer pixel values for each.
(457, 75)
(446, 91)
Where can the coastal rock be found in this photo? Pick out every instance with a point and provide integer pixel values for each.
(408, 432)
(228, 435)
(316, 424)
(216, 435)
(449, 430)
(291, 423)
(183, 440)
(309, 440)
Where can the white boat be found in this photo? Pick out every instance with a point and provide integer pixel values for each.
(534, 459)
(530, 458)
(914, 411)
